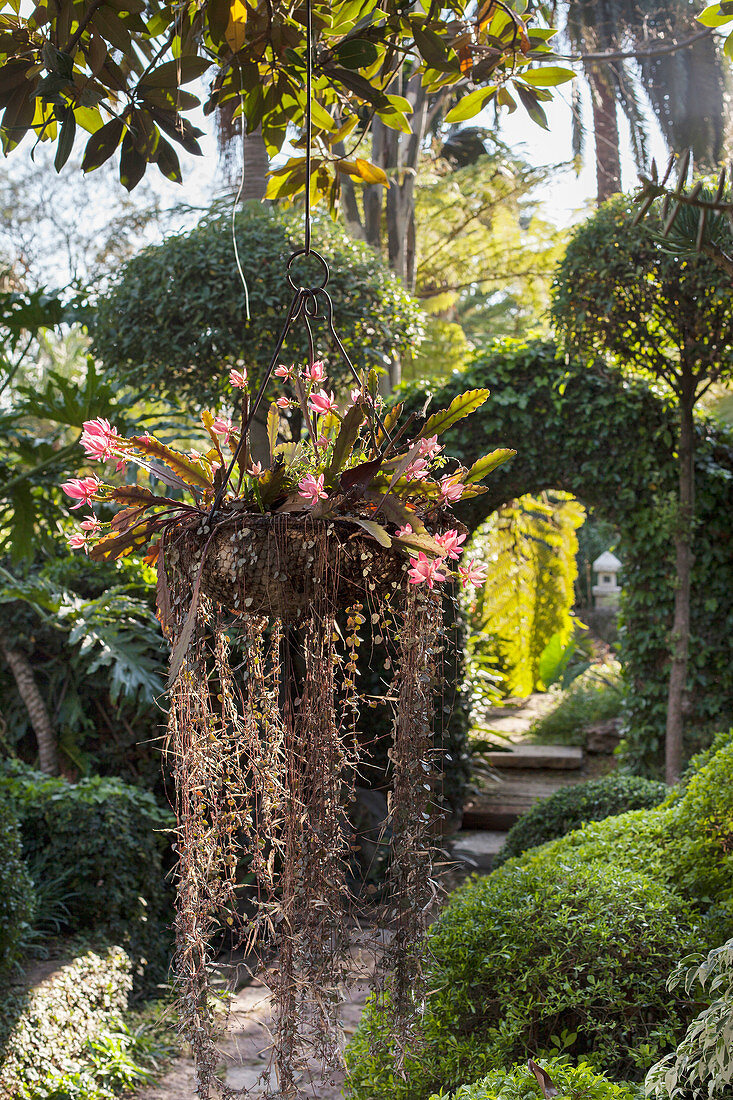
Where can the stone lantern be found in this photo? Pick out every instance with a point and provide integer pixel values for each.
(606, 591)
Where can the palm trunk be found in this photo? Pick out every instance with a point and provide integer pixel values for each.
(37, 712)
(683, 565)
(605, 125)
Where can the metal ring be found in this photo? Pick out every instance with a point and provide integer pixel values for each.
(307, 252)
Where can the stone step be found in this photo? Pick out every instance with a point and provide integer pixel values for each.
(524, 755)
(512, 793)
(477, 850)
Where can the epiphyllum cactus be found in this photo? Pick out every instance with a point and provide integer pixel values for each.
(395, 491)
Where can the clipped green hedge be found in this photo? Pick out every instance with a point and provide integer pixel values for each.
(44, 1030)
(569, 946)
(571, 807)
(108, 838)
(17, 901)
(579, 1082)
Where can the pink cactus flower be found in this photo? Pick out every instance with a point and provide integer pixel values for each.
(283, 372)
(357, 395)
(417, 470)
(322, 402)
(78, 542)
(316, 372)
(450, 490)
(255, 469)
(430, 447)
(425, 571)
(284, 403)
(99, 439)
(451, 543)
(311, 489)
(91, 525)
(402, 531)
(120, 466)
(81, 489)
(238, 378)
(472, 573)
(223, 426)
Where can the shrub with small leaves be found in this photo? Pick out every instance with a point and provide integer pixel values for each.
(571, 807)
(579, 1082)
(16, 891)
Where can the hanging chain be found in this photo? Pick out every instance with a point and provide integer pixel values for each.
(305, 301)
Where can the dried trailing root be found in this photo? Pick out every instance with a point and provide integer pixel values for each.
(264, 759)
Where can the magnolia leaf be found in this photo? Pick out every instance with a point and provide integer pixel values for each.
(714, 16)
(374, 529)
(345, 440)
(236, 31)
(459, 407)
(192, 473)
(470, 105)
(371, 173)
(273, 427)
(102, 144)
(547, 76)
(543, 1080)
(485, 465)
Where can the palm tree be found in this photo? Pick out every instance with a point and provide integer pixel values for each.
(685, 87)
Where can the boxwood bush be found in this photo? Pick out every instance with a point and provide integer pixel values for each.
(579, 1082)
(571, 807)
(108, 837)
(16, 891)
(568, 946)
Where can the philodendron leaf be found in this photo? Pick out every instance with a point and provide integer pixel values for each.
(459, 407)
(375, 530)
(489, 462)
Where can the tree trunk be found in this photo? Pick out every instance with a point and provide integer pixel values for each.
(683, 565)
(256, 167)
(237, 156)
(40, 721)
(605, 125)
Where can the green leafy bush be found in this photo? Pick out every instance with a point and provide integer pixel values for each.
(594, 697)
(579, 1082)
(109, 837)
(590, 978)
(44, 1030)
(571, 807)
(17, 903)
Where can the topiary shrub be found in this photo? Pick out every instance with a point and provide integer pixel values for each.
(108, 837)
(16, 891)
(571, 807)
(579, 1082)
(544, 953)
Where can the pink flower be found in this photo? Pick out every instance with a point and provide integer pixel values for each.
(283, 403)
(322, 402)
(315, 372)
(450, 489)
(425, 571)
(283, 372)
(255, 469)
(194, 456)
(98, 439)
(223, 426)
(451, 543)
(402, 531)
(311, 488)
(430, 447)
(120, 466)
(91, 525)
(417, 470)
(238, 378)
(472, 573)
(81, 489)
(357, 395)
(79, 542)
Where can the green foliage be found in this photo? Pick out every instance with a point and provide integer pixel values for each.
(608, 439)
(676, 315)
(109, 837)
(588, 979)
(174, 321)
(259, 58)
(17, 901)
(529, 547)
(571, 807)
(594, 697)
(702, 1064)
(579, 1082)
(45, 1030)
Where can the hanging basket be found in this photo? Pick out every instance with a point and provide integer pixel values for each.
(275, 564)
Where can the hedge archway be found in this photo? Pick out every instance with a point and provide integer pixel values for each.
(608, 440)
